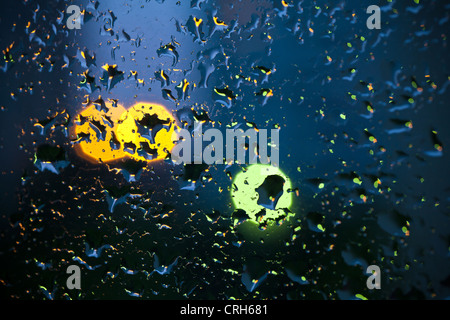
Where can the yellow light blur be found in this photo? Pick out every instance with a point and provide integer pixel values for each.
(119, 124)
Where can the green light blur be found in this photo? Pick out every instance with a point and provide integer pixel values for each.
(246, 197)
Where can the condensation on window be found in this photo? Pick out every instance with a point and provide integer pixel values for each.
(90, 104)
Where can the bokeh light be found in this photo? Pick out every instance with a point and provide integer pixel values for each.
(104, 132)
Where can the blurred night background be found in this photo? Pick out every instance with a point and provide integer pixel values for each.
(363, 119)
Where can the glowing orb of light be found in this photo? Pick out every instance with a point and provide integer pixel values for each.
(263, 192)
(106, 132)
(146, 131)
(93, 133)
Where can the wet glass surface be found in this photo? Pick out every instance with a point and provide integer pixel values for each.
(87, 177)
